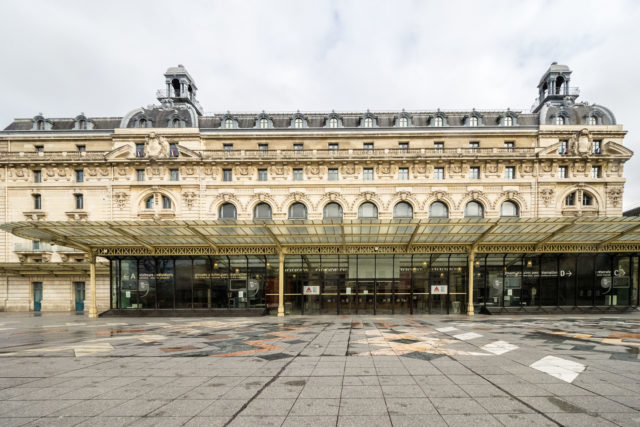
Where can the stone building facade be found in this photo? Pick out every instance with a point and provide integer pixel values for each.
(170, 161)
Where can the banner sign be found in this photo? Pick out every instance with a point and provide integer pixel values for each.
(439, 289)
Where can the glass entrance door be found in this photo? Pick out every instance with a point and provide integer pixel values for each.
(79, 294)
(366, 297)
(37, 296)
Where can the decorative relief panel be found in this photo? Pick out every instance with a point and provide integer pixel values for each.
(614, 195)
(189, 198)
(120, 199)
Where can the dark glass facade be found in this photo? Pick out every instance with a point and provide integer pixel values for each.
(375, 283)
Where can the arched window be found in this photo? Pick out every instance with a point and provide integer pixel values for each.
(82, 124)
(262, 211)
(438, 121)
(297, 211)
(333, 122)
(332, 210)
(592, 120)
(559, 84)
(228, 124)
(509, 208)
(403, 122)
(368, 210)
(227, 211)
(473, 210)
(587, 199)
(166, 202)
(263, 123)
(40, 125)
(570, 200)
(508, 121)
(403, 210)
(176, 123)
(176, 87)
(473, 121)
(298, 123)
(559, 120)
(438, 210)
(368, 122)
(149, 202)
(142, 123)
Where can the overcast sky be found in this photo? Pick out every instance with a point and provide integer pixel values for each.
(105, 58)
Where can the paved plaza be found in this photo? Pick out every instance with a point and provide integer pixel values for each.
(64, 370)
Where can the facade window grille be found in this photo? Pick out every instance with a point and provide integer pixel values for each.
(174, 175)
(368, 210)
(262, 211)
(509, 146)
(403, 122)
(37, 176)
(334, 123)
(596, 172)
(227, 175)
(438, 210)
(509, 209)
(474, 172)
(297, 211)
(81, 148)
(438, 147)
(473, 121)
(564, 147)
(438, 173)
(166, 202)
(562, 172)
(332, 210)
(37, 202)
(79, 175)
(139, 174)
(510, 172)
(333, 174)
(473, 209)
(149, 202)
(570, 200)
(403, 174)
(597, 147)
(368, 174)
(79, 201)
(508, 121)
(262, 174)
(139, 150)
(403, 147)
(228, 211)
(403, 210)
(173, 150)
(297, 174)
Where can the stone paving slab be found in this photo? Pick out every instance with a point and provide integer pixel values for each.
(63, 370)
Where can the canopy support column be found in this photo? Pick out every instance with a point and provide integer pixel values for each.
(471, 258)
(93, 305)
(281, 283)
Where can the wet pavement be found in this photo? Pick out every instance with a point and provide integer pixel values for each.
(59, 369)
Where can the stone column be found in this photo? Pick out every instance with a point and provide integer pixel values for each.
(472, 257)
(93, 305)
(281, 284)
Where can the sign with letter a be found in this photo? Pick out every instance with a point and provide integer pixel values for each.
(439, 289)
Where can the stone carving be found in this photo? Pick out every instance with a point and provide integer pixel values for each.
(122, 171)
(384, 169)
(615, 196)
(547, 193)
(189, 198)
(348, 169)
(188, 170)
(313, 170)
(527, 168)
(155, 171)
(279, 170)
(120, 198)
(547, 166)
(157, 146)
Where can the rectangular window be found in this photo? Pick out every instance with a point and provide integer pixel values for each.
(403, 174)
(79, 201)
(508, 145)
(564, 147)
(80, 175)
(39, 148)
(35, 245)
(368, 174)
(37, 201)
(263, 147)
(596, 172)
(473, 146)
(439, 147)
(562, 172)
(227, 147)
(438, 173)
(474, 172)
(333, 174)
(37, 176)
(262, 174)
(227, 175)
(81, 148)
(368, 147)
(139, 150)
(597, 147)
(297, 174)
(140, 174)
(298, 147)
(173, 150)
(333, 146)
(174, 175)
(403, 147)
(510, 172)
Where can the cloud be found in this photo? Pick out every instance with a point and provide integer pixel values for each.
(106, 58)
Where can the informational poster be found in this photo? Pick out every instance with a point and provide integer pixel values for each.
(439, 289)
(311, 290)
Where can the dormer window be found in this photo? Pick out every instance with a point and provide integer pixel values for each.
(40, 125)
(333, 123)
(298, 121)
(403, 122)
(229, 124)
(143, 123)
(82, 124)
(176, 123)
(592, 120)
(559, 120)
(508, 121)
(368, 122)
(263, 123)
(438, 121)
